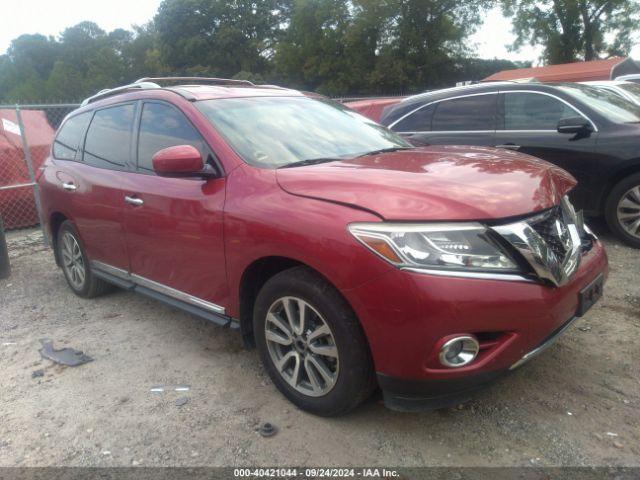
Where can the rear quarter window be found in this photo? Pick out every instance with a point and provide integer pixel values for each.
(108, 143)
(67, 142)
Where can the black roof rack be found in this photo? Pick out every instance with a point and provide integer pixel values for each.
(154, 83)
(107, 92)
(214, 80)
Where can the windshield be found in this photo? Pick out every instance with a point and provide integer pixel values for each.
(273, 132)
(608, 104)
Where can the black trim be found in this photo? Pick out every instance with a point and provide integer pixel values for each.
(407, 395)
(119, 282)
(127, 164)
(217, 318)
(80, 147)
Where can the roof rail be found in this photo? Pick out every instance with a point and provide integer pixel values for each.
(219, 81)
(107, 92)
(152, 83)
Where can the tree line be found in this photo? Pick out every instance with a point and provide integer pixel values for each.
(335, 47)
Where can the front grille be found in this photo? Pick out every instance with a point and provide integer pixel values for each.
(551, 241)
(548, 228)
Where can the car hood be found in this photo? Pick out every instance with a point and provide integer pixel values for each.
(435, 183)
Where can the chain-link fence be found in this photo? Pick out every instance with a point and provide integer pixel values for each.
(26, 134)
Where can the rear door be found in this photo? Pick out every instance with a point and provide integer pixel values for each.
(467, 120)
(528, 124)
(174, 232)
(91, 176)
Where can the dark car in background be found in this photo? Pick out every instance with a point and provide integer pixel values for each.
(592, 133)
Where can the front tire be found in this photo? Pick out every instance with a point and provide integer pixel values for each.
(311, 343)
(622, 210)
(75, 264)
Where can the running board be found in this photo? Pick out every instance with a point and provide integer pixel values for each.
(218, 319)
(126, 284)
(117, 281)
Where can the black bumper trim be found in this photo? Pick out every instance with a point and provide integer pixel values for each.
(407, 395)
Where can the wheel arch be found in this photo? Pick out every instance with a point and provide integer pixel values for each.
(253, 278)
(630, 168)
(56, 219)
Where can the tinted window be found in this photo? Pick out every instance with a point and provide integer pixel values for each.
(67, 143)
(162, 126)
(419, 121)
(532, 111)
(465, 114)
(109, 137)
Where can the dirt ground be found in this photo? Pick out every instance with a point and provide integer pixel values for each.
(578, 404)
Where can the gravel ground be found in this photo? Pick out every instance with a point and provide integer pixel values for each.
(578, 404)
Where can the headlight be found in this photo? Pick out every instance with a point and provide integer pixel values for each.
(446, 246)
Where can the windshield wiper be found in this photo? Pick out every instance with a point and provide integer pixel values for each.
(384, 150)
(311, 161)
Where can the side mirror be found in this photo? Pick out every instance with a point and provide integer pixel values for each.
(574, 125)
(179, 161)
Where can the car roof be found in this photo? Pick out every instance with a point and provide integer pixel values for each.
(630, 76)
(606, 83)
(484, 87)
(394, 112)
(210, 92)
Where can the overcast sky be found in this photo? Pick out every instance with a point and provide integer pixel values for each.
(50, 17)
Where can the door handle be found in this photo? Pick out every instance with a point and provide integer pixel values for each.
(509, 146)
(134, 201)
(69, 186)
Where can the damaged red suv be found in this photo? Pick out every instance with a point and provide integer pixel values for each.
(351, 259)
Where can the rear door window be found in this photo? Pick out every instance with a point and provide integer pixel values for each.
(108, 142)
(534, 111)
(163, 126)
(67, 142)
(469, 114)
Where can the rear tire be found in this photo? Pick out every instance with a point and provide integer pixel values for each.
(75, 264)
(318, 359)
(622, 210)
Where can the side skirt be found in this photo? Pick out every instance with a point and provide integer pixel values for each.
(122, 279)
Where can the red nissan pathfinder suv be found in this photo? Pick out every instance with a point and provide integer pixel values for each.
(351, 259)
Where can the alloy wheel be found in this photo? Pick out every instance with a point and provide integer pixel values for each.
(72, 260)
(301, 346)
(628, 211)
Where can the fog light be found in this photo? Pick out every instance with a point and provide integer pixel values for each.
(459, 351)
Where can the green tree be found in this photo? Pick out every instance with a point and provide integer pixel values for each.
(375, 46)
(83, 60)
(33, 54)
(224, 37)
(573, 30)
(142, 55)
(424, 38)
(311, 54)
(335, 47)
